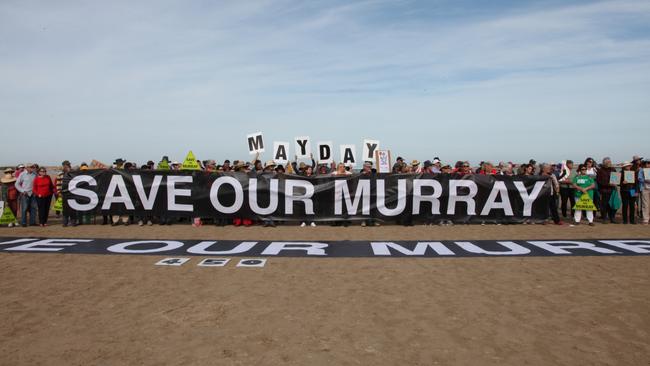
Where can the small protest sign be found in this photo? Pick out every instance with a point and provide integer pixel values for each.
(255, 143)
(303, 147)
(190, 162)
(369, 148)
(585, 204)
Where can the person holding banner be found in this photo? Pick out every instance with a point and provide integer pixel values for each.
(68, 216)
(584, 184)
(43, 189)
(628, 193)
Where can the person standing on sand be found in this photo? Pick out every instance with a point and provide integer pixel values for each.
(547, 171)
(644, 189)
(584, 183)
(24, 185)
(628, 195)
(8, 193)
(43, 189)
(605, 189)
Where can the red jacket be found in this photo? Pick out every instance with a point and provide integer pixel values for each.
(43, 186)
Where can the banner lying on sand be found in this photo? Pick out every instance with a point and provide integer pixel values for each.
(386, 197)
(319, 249)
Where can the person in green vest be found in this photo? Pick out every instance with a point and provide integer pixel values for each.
(584, 183)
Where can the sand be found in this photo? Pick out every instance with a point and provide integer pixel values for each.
(65, 309)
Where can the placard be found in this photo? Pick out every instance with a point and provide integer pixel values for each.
(383, 161)
(348, 155)
(325, 152)
(190, 162)
(369, 149)
(646, 173)
(303, 147)
(628, 176)
(615, 178)
(280, 152)
(585, 203)
(255, 143)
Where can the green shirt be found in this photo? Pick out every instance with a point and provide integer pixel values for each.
(584, 181)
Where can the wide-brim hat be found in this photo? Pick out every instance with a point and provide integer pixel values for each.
(269, 164)
(627, 163)
(415, 163)
(8, 178)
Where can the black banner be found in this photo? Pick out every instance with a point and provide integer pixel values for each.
(324, 249)
(402, 198)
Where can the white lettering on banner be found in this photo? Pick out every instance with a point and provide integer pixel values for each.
(255, 143)
(303, 147)
(325, 152)
(369, 148)
(559, 246)
(348, 154)
(49, 245)
(382, 248)
(312, 248)
(147, 202)
(455, 198)
(167, 245)
(381, 198)
(434, 198)
(291, 196)
(16, 241)
(117, 184)
(362, 195)
(202, 248)
(239, 194)
(642, 248)
(529, 198)
(273, 197)
(173, 192)
(92, 196)
(280, 152)
(499, 188)
(514, 249)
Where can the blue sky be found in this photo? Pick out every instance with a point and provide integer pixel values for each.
(471, 80)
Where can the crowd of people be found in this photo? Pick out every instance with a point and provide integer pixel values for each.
(28, 190)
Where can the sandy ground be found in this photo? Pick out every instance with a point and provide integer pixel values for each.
(62, 309)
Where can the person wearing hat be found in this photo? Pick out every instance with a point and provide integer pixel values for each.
(8, 192)
(628, 194)
(437, 164)
(269, 167)
(24, 185)
(415, 167)
(119, 163)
